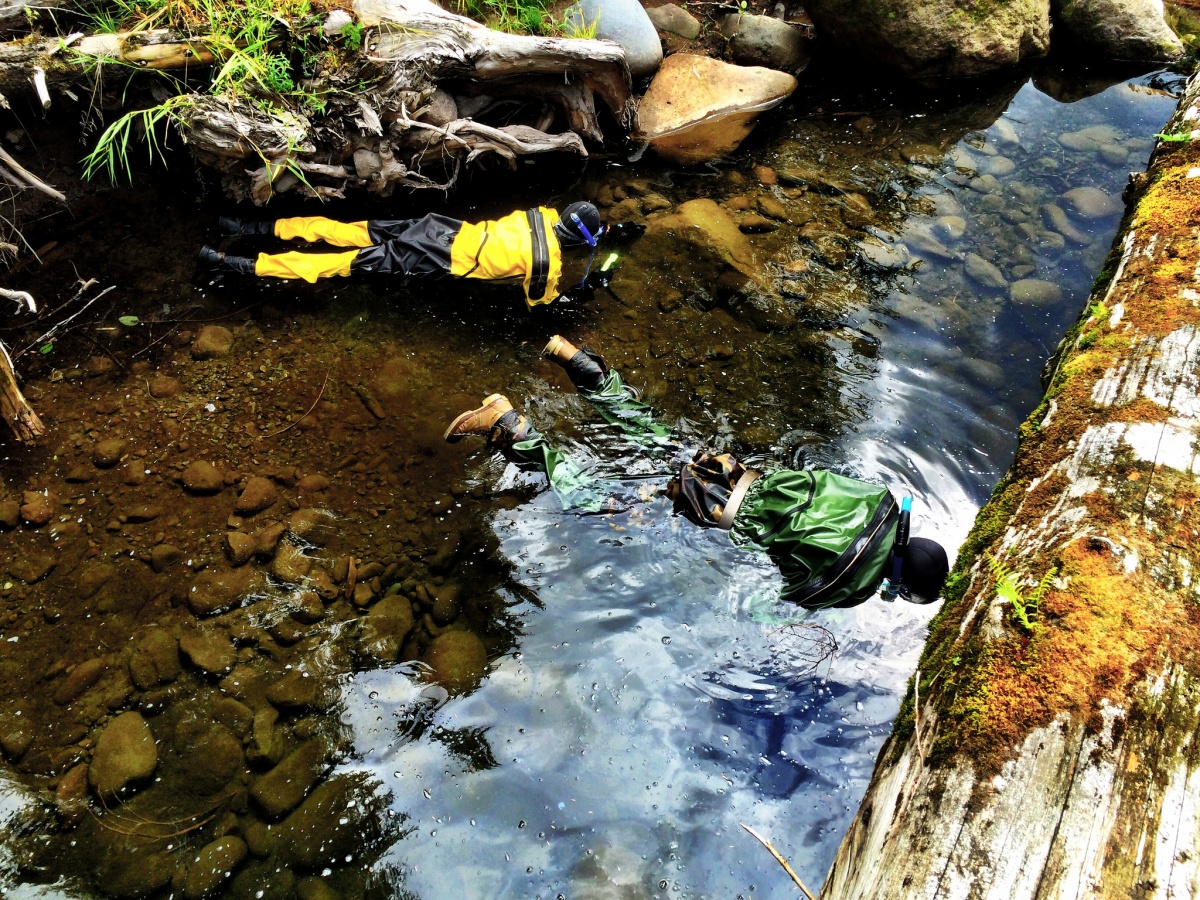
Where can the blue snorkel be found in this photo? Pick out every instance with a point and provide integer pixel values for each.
(892, 585)
(591, 242)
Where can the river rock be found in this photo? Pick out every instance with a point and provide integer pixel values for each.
(258, 494)
(201, 477)
(235, 716)
(312, 525)
(675, 19)
(32, 565)
(10, 514)
(698, 109)
(984, 273)
(239, 547)
(1056, 217)
(936, 38)
(265, 880)
(1129, 30)
(1092, 203)
(125, 753)
(708, 229)
(298, 690)
(37, 507)
(154, 660)
(290, 565)
(458, 660)
(212, 341)
(1034, 292)
(163, 387)
(215, 591)
(212, 760)
(1091, 138)
(314, 888)
(951, 228)
(335, 822)
(385, 628)
(108, 453)
(213, 866)
(282, 789)
(446, 604)
(163, 556)
(211, 652)
(624, 22)
(266, 738)
(79, 679)
(765, 41)
(70, 797)
(312, 484)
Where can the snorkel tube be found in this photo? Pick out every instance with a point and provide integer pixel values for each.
(892, 585)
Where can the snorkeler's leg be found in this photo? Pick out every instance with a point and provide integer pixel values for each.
(511, 433)
(603, 388)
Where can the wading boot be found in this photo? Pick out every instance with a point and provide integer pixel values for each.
(478, 421)
(222, 262)
(230, 225)
(585, 368)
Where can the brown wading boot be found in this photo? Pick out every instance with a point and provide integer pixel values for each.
(478, 421)
(585, 368)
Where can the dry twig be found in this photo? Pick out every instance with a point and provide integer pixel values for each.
(779, 859)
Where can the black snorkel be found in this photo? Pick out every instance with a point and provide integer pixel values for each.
(892, 585)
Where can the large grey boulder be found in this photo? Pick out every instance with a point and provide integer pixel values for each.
(625, 23)
(1116, 29)
(936, 38)
(765, 41)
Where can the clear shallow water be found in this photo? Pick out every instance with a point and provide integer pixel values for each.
(642, 700)
(652, 706)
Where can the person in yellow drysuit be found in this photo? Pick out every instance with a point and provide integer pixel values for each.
(524, 246)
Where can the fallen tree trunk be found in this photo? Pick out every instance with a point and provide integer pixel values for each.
(430, 91)
(1060, 759)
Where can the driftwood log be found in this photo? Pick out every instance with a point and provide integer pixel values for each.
(430, 92)
(14, 408)
(1062, 759)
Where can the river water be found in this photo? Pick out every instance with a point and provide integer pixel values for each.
(909, 264)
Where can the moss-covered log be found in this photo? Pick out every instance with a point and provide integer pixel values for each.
(1060, 758)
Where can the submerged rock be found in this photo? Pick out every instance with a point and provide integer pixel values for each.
(1132, 30)
(154, 660)
(211, 342)
(1034, 292)
(213, 865)
(125, 753)
(282, 789)
(336, 822)
(699, 108)
(385, 628)
(1092, 203)
(936, 38)
(458, 660)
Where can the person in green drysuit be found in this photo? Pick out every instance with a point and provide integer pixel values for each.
(836, 540)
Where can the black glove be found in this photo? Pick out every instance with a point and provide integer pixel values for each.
(622, 232)
(580, 293)
(598, 278)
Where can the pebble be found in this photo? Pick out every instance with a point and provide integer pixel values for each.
(154, 659)
(766, 176)
(1034, 292)
(211, 342)
(211, 652)
(79, 679)
(163, 556)
(951, 228)
(202, 477)
(215, 591)
(311, 484)
(999, 166)
(37, 508)
(458, 660)
(754, 224)
(312, 525)
(164, 386)
(983, 272)
(141, 513)
(314, 888)
(298, 690)
(10, 514)
(772, 207)
(1092, 203)
(239, 547)
(258, 494)
(290, 564)
(107, 454)
(1056, 217)
(33, 565)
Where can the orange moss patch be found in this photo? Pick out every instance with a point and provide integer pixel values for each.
(1093, 640)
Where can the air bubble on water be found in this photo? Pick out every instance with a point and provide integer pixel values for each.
(666, 639)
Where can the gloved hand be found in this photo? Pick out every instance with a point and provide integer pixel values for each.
(598, 278)
(623, 232)
(580, 293)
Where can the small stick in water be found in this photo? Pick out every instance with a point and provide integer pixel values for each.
(779, 859)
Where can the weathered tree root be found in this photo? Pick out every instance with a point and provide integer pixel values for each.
(430, 92)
